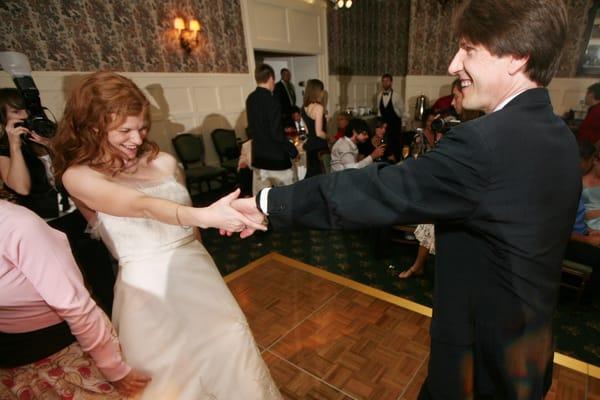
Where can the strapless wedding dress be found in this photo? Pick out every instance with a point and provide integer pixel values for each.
(175, 317)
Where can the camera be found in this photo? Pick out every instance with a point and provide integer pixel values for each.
(17, 66)
(443, 125)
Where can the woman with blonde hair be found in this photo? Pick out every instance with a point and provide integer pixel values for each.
(313, 113)
(175, 317)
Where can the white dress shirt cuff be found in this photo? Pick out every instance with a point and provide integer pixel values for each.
(263, 200)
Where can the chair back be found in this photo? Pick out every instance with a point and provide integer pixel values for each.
(226, 144)
(325, 159)
(189, 148)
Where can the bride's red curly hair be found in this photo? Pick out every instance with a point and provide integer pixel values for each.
(100, 103)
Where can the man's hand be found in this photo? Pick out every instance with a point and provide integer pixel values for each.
(248, 208)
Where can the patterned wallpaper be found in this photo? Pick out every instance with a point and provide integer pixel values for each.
(577, 39)
(123, 35)
(431, 41)
(371, 38)
(432, 44)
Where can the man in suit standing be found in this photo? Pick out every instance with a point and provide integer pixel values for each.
(285, 93)
(390, 107)
(502, 191)
(271, 150)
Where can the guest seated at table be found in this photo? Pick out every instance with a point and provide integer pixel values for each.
(443, 105)
(430, 137)
(294, 125)
(342, 122)
(313, 114)
(379, 137)
(344, 154)
(590, 127)
(591, 194)
(55, 342)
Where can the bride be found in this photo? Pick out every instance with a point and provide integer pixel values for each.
(175, 317)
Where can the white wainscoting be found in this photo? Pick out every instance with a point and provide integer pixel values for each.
(200, 103)
(197, 103)
(289, 26)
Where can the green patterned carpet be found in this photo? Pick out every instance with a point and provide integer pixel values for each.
(352, 255)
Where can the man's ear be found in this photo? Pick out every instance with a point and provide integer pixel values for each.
(517, 64)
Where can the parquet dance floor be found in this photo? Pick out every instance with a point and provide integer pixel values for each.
(325, 337)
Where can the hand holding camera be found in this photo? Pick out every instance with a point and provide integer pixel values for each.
(15, 130)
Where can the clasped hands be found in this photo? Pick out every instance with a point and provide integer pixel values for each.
(238, 215)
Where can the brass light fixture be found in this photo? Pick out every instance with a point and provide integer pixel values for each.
(188, 38)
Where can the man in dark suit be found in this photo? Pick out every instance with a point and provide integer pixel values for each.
(285, 94)
(272, 152)
(502, 191)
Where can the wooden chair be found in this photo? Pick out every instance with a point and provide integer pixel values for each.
(190, 150)
(228, 149)
(580, 273)
(401, 234)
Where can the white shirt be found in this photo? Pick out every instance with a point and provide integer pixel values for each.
(508, 100)
(397, 102)
(344, 155)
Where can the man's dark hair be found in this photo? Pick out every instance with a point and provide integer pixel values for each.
(263, 72)
(595, 90)
(532, 28)
(356, 125)
(294, 109)
(386, 75)
(283, 70)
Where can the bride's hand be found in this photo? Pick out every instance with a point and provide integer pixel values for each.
(222, 216)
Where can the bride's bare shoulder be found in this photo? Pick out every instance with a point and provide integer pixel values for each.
(165, 162)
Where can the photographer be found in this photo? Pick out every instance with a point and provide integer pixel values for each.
(26, 169)
(16, 158)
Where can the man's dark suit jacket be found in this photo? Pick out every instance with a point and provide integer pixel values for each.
(271, 149)
(284, 100)
(502, 191)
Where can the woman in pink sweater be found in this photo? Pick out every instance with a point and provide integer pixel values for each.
(55, 342)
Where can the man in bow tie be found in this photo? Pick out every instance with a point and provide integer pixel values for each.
(390, 106)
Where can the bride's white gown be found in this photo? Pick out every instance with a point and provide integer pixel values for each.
(175, 317)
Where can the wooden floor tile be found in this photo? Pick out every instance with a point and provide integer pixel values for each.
(294, 383)
(276, 297)
(412, 391)
(567, 385)
(346, 344)
(593, 389)
(367, 347)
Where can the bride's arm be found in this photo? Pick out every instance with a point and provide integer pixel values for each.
(98, 193)
(180, 177)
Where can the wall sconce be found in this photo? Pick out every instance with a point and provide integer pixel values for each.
(188, 38)
(339, 4)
